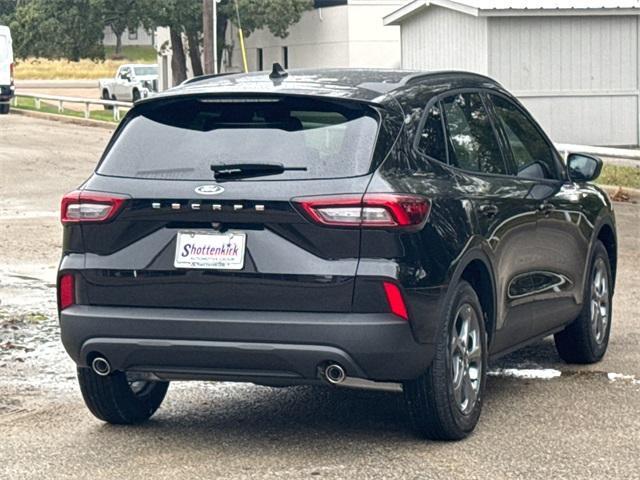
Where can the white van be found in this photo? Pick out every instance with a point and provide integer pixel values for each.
(6, 69)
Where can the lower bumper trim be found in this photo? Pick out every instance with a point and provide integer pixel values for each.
(252, 346)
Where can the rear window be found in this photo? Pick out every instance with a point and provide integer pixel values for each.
(183, 139)
(142, 71)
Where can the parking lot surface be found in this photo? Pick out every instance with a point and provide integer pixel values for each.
(542, 418)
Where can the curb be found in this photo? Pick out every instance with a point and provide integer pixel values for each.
(64, 119)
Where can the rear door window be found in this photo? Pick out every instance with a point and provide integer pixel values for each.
(471, 139)
(182, 139)
(532, 155)
(432, 141)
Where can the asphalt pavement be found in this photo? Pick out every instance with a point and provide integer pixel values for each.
(542, 418)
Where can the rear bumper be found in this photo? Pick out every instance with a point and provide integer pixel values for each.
(286, 347)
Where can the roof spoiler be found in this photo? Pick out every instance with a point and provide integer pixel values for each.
(205, 77)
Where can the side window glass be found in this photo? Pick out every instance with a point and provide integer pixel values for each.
(471, 140)
(432, 141)
(531, 154)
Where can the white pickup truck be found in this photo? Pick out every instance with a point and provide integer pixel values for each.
(131, 83)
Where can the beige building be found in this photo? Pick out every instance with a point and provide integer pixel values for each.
(350, 33)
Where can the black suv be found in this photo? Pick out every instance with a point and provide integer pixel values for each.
(374, 229)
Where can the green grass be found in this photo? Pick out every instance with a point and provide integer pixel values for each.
(26, 103)
(133, 53)
(620, 176)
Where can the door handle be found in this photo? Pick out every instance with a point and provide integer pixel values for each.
(488, 210)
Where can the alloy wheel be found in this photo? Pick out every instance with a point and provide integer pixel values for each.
(466, 358)
(599, 301)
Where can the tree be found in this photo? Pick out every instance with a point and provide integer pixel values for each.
(70, 29)
(185, 16)
(7, 9)
(178, 59)
(190, 17)
(122, 14)
(275, 15)
(181, 16)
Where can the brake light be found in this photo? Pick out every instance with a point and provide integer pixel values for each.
(395, 300)
(66, 291)
(373, 210)
(11, 73)
(89, 207)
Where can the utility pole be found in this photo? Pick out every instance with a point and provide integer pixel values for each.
(209, 36)
(215, 36)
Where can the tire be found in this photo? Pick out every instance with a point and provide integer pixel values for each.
(4, 108)
(112, 399)
(585, 340)
(135, 96)
(438, 409)
(105, 96)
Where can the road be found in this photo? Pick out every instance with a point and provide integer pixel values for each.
(584, 423)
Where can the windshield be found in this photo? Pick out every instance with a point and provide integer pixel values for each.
(144, 71)
(182, 140)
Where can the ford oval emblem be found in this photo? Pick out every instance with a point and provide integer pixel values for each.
(209, 189)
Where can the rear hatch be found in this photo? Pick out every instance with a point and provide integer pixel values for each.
(6, 57)
(204, 204)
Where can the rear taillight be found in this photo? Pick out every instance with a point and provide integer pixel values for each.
(11, 73)
(373, 210)
(395, 300)
(66, 291)
(89, 207)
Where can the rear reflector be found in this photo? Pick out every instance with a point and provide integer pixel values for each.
(89, 207)
(66, 291)
(395, 300)
(373, 210)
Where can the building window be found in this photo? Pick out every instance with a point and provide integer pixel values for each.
(285, 57)
(259, 59)
(133, 35)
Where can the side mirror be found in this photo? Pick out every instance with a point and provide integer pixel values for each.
(583, 167)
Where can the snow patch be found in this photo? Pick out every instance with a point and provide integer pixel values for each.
(526, 373)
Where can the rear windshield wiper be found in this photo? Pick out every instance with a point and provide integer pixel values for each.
(249, 170)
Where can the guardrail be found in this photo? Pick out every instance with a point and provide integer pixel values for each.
(608, 152)
(115, 105)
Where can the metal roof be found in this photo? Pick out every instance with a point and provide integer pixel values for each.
(548, 4)
(490, 8)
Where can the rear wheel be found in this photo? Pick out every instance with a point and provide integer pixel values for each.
(586, 339)
(105, 96)
(136, 95)
(445, 402)
(4, 108)
(119, 398)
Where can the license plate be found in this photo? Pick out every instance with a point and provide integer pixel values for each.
(221, 251)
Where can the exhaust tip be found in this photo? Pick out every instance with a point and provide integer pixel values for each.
(101, 366)
(334, 373)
